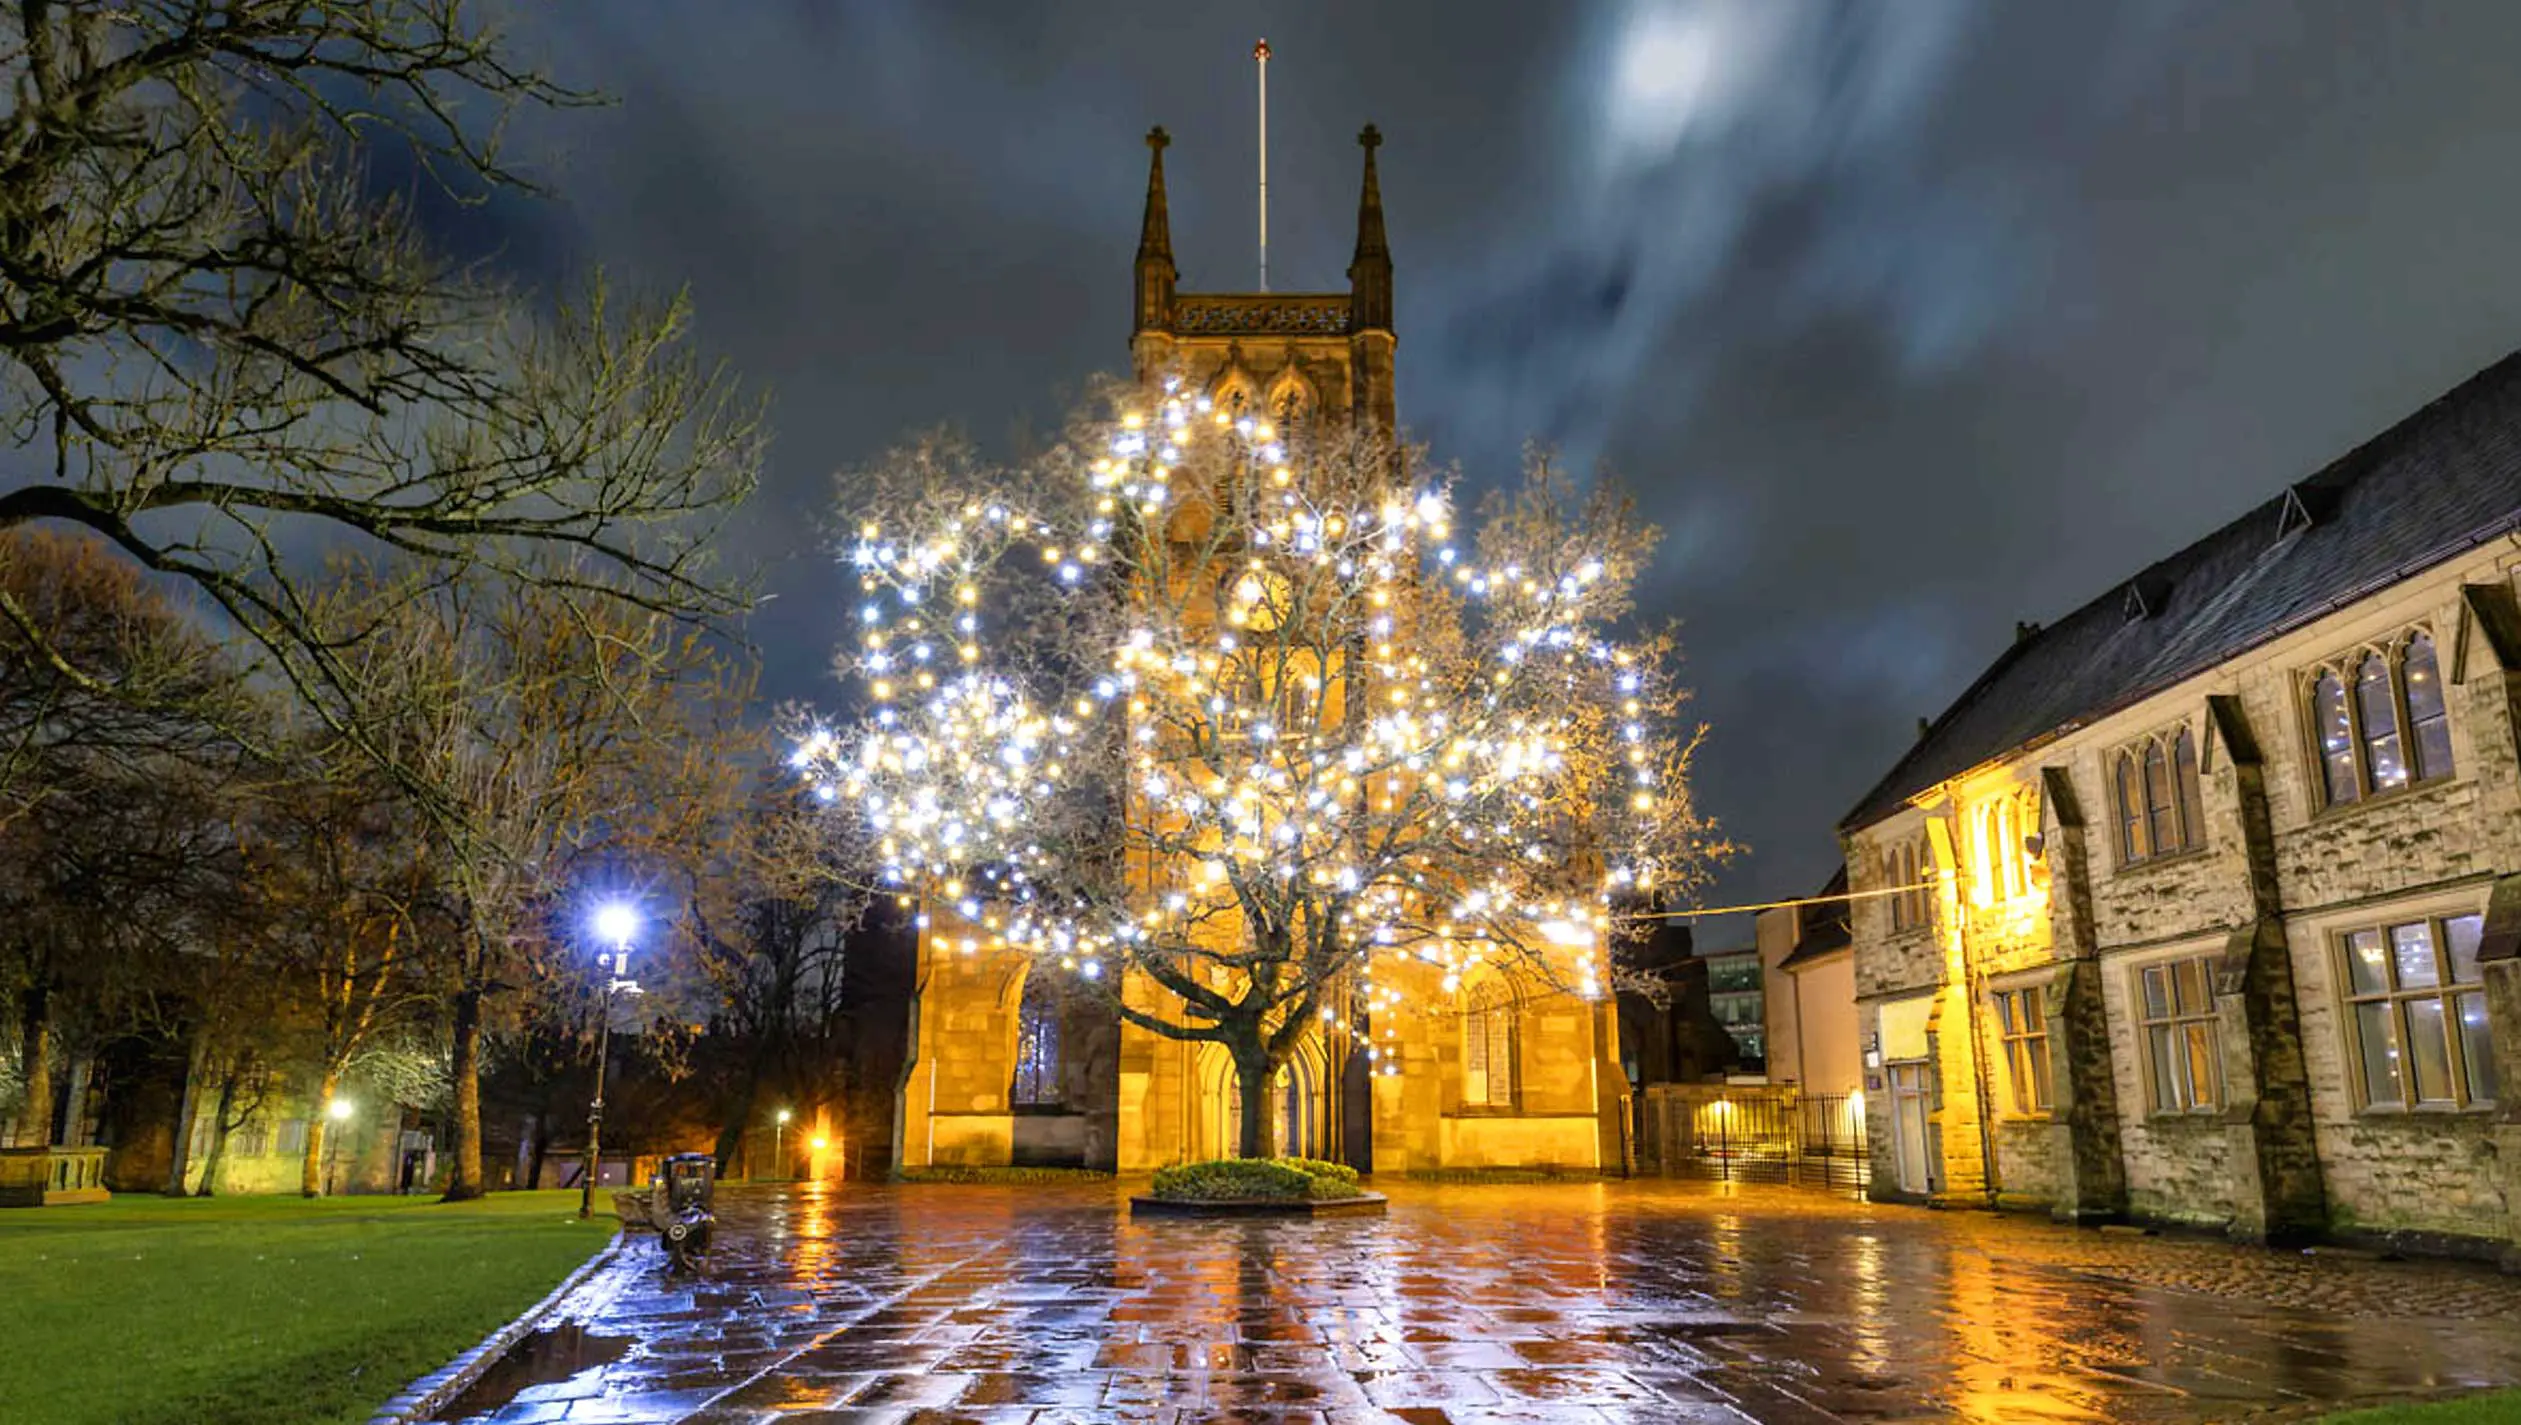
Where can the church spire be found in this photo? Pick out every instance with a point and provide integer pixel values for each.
(1370, 271)
(1156, 273)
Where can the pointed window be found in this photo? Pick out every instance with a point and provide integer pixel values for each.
(1037, 1059)
(2184, 773)
(2335, 728)
(2376, 711)
(2162, 812)
(2428, 720)
(2132, 845)
(2382, 722)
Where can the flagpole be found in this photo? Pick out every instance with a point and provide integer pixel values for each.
(1260, 56)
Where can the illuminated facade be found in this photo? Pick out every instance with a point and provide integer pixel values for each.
(2217, 882)
(1484, 1069)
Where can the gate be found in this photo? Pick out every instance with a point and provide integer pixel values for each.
(1754, 1133)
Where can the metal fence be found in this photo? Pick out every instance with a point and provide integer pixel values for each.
(1752, 1133)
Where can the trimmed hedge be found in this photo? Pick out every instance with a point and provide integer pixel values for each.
(1255, 1180)
(983, 1174)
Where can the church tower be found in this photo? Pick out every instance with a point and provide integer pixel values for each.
(1294, 356)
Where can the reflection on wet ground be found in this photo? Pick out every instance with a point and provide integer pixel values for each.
(1558, 1303)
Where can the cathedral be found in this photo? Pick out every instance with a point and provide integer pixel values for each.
(1497, 1072)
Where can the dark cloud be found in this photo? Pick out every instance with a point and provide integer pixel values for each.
(1907, 321)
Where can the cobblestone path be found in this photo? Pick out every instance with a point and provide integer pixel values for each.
(1561, 1303)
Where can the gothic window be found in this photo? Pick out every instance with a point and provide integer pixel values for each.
(2159, 809)
(1904, 867)
(2380, 720)
(1037, 1061)
(2428, 720)
(2416, 1009)
(1488, 1048)
(2376, 711)
(2184, 773)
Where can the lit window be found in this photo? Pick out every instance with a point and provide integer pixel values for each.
(2022, 1029)
(2428, 720)
(2381, 720)
(2175, 1008)
(2417, 1011)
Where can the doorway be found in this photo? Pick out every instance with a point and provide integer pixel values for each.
(1911, 1099)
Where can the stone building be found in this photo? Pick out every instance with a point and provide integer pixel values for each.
(1808, 993)
(2207, 903)
(1497, 1071)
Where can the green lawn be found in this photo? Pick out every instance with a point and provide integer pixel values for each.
(2502, 1407)
(269, 1310)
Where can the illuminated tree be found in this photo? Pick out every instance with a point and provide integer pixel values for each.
(1178, 703)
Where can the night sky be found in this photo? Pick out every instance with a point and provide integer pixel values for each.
(1906, 320)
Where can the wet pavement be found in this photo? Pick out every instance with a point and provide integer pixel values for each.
(1558, 1303)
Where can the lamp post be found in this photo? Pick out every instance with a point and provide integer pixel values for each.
(615, 923)
(338, 1111)
(778, 1138)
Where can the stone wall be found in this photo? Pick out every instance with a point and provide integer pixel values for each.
(2291, 1149)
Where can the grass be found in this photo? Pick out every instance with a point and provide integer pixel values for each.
(2502, 1407)
(273, 1310)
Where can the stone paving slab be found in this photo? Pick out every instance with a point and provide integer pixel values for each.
(1547, 1305)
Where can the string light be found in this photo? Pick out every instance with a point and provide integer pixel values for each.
(1327, 722)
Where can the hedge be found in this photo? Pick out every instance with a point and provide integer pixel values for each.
(1255, 1180)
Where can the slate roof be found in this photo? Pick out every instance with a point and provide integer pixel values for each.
(1826, 927)
(2440, 482)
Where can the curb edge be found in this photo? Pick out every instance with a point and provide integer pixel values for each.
(420, 1399)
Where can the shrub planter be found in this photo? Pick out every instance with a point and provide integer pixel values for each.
(1257, 1187)
(1364, 1204)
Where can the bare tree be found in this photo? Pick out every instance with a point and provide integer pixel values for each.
(223, 335)
(561, 725)
(1280, 740)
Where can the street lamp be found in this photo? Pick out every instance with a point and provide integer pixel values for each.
(778, 1135)
(338, 1111)
(615, 923)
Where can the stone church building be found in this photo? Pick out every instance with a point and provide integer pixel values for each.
(2202, 905)
(1006, 1068)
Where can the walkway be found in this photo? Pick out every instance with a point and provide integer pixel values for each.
(1563, 1303)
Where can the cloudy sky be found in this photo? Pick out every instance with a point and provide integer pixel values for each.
(1906, 320)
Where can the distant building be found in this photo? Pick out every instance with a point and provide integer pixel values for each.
(2219, 877)
(1736, 994)
(1808, 973)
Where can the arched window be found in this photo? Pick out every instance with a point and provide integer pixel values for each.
(2162, 812)
(2335, 728)
(2428, 720)
(2394, 730)
(1921, 864)
(2376, 711)
(2184, 773)
(1037, 1062)
(1488, 1048)
(2132, 844)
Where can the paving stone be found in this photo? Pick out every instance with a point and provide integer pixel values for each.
(1542, 1305)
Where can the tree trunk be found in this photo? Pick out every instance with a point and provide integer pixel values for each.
(463, 1179)
(319, 1128)
(35, 1039)
(187, 1108)
(219, 1115)
(542, 1149)
(1252, 1075)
